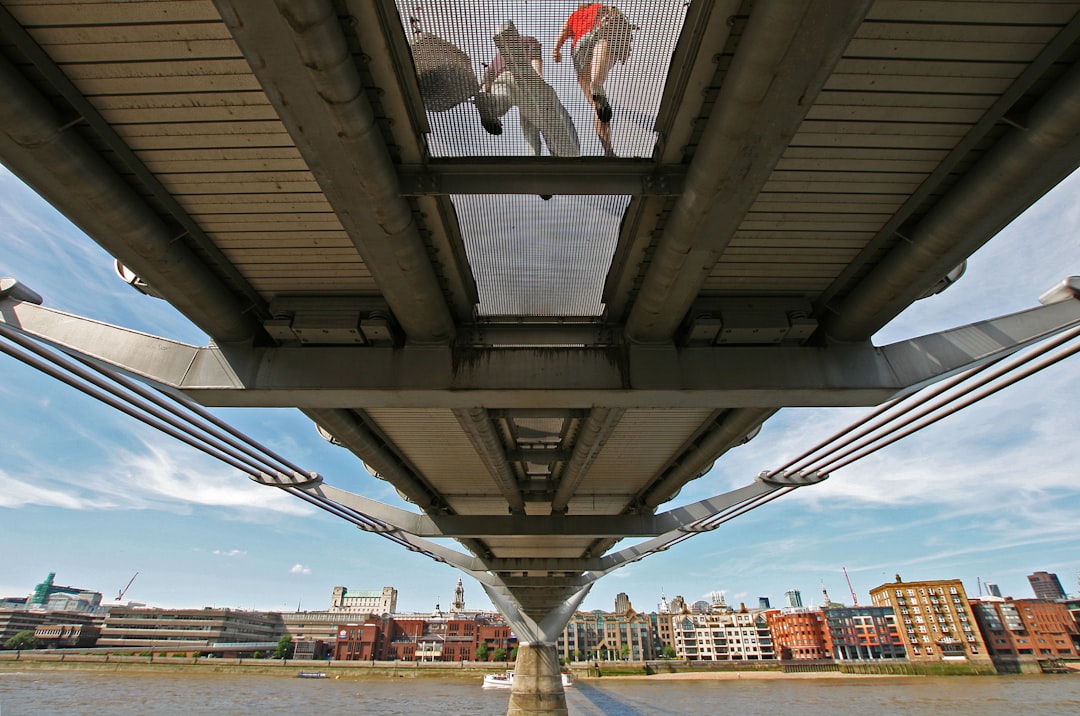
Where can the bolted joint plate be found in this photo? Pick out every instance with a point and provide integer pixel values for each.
(792, 479)
(281, 479)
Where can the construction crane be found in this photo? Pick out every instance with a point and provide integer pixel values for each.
(124, 590)
(854, 599)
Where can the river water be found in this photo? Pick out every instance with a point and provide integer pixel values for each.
(119, 694)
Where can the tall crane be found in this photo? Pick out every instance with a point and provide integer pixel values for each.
(124, 590)
(854, 599)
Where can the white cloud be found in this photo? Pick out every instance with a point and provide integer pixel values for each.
(300, 569)
(16, 492)
(160, 476)
(229, 552)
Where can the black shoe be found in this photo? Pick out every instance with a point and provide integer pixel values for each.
(603, 108)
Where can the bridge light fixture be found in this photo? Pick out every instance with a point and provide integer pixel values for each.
(11, 288)
(1069, 288)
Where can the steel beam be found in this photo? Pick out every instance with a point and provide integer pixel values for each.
(783, 59)
(1018, 170)
(518, 525)
(567, 378)
(39, 145)
(485, 440)
(542, 175)
(590, 441)
(301, 57)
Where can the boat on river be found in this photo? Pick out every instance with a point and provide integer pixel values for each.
(311, 675)
(505, 680)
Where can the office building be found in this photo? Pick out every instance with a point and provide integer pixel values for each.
(605, 636)
(13, 621)
(190, 630)
(1046, 585)
(73, 634)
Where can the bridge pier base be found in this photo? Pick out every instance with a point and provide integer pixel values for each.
(538, 685)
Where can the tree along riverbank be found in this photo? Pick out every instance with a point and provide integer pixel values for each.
(469, 670)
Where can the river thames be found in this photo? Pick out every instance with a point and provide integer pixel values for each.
(118, 694)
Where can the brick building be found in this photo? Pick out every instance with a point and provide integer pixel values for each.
(1026, 630)
(418, 638)
(935, 620)
(798, 633)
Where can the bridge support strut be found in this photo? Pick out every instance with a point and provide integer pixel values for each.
(538, 685)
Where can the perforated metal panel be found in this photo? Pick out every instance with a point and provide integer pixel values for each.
(532, 257)
(634, 87)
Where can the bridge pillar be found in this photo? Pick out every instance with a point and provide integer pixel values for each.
(538, 685)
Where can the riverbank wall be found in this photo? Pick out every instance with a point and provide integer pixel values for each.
(467, 670)
(30, 661)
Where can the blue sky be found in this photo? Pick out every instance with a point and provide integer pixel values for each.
(990, 494)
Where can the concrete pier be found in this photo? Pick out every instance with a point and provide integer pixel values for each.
(538, 685)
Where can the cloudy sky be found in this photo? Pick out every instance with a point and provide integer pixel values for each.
(988, 495)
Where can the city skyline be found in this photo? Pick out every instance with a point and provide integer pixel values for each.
(86, 491)
(664, 601)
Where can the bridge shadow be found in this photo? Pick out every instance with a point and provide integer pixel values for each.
(601, 701)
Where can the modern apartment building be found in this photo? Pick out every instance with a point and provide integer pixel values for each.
(723, 634)
(935, 620)
(862, 634)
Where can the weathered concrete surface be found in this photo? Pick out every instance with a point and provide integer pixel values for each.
(538, 685)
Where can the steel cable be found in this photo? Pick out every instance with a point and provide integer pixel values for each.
(835, 460)
(225, 444)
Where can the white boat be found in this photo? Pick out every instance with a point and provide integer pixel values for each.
(505, 680)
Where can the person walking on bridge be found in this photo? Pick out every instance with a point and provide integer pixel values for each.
(516, 78)
(600, 36)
